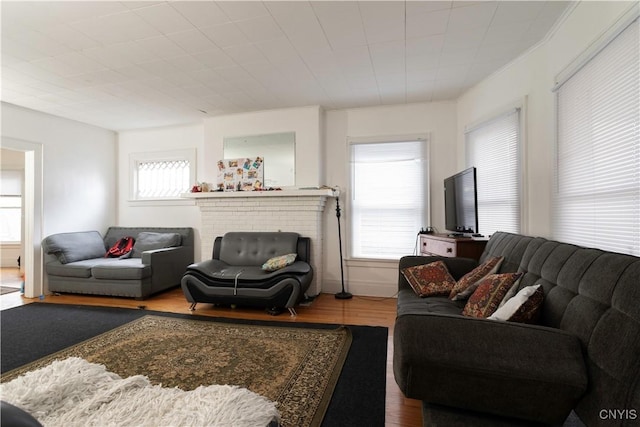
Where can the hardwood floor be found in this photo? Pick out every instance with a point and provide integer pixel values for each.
(400, 411)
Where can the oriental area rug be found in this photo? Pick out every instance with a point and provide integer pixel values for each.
(296, 366)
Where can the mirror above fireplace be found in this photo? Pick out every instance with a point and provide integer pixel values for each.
(278, 150)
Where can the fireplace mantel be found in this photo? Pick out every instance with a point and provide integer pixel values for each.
(325, 192)
(299, 211)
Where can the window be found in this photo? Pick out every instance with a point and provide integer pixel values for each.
(162, 175)
(597, 194)
(11, 206)
(389, 196)
(493, 147)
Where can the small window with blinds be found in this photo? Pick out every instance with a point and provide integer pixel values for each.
(493, 147)
(597, 194)
(389, 196)
(162, 175)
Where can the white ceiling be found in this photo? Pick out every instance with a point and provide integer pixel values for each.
(136, 64)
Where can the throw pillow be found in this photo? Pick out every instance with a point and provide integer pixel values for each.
(431, 279)
(491, 290)
(522, 308)
(149, 241)
(278, 262)
(470, 281)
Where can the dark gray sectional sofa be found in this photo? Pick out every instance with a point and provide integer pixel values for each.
(583, 355)
(75, 262)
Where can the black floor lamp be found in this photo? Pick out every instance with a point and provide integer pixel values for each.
(343, 294)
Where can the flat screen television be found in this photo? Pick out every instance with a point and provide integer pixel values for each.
(461, 202)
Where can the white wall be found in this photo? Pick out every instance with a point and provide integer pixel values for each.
(305, 122)
(181, 213)
(439, 121)
(533, 76)
(75, 173)
(79, 168)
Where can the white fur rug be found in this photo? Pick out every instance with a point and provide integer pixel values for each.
(74, 392)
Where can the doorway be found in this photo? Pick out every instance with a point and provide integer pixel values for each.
(31, 260)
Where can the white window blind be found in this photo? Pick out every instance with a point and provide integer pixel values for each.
(597, 200)
(389, 194)
(493, 147)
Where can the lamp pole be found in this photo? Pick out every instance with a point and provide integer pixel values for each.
(343, 294)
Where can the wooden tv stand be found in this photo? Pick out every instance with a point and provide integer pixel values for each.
(443, 245)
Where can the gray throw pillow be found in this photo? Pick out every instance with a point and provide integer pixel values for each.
(76, 246)
(148, 241)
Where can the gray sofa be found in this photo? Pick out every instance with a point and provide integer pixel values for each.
(235, 275)
(583, 355)
(76, 262)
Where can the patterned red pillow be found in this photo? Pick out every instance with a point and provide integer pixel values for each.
(491, 290)
(470, 281)
(431, 279)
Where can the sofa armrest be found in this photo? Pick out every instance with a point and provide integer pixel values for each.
(466, 362)
(167, 265)
(458, 267)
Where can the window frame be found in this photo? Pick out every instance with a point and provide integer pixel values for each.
(425, 138)
(188, 154)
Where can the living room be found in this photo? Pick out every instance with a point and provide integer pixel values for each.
(82, 178)
(95, 191)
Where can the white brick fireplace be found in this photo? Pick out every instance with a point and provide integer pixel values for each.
(289, 210)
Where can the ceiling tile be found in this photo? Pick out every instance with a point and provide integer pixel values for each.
(341, 22)
(164, 18)
(510, 12)
(192, 41)
(245, 54)
(119, 27)
(473, 16)
(303, 30)
(505, 33)
(277, 50)
(427, 24)
(215, 58)
(162, 47)
(388, 58)
(239, 10)
(201, 13)
(70, 37)
(225, 35)
(383, 20)
(260, 28)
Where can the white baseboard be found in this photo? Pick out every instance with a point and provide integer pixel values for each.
(362, 288)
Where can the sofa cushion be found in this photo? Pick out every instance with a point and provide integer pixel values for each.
(409, 303)
(469, 282)
(487, 297)
(431, 279)
(75, 246)
(278, 262)
(148, 241)
(121, 269)
(524, 307)
(80, 269)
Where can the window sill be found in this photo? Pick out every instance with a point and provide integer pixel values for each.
(372, 263)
